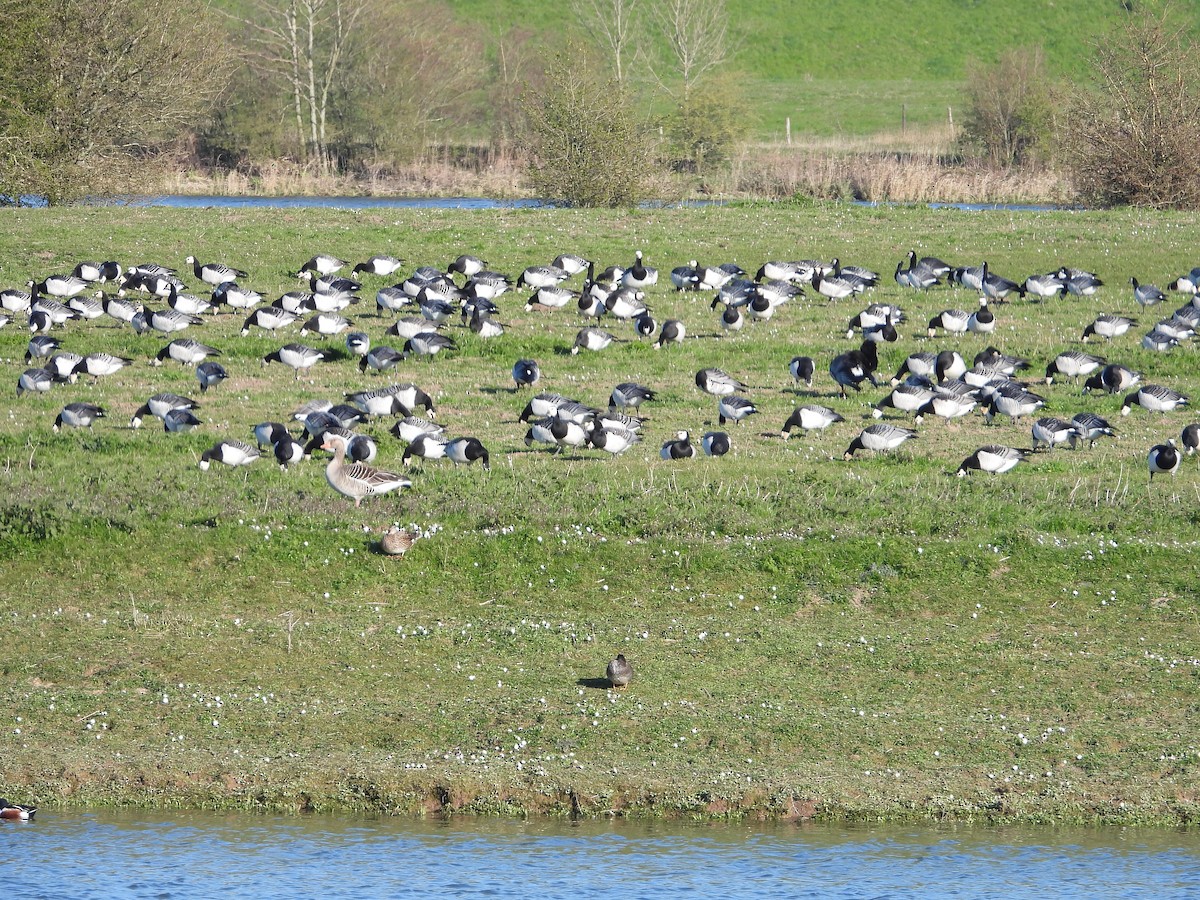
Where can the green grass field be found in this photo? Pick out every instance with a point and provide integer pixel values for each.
(811, 637)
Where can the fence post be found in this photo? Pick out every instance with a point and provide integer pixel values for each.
(788, 129)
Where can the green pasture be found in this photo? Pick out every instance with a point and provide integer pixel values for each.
(811, 637)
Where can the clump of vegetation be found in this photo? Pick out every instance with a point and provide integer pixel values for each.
(1129, 137)
(586, 144)
(1009, 110)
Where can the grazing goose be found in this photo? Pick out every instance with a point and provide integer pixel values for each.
(177, 421)
(907, 397)
(78, 415)
(268, 318)
(591, 338)
(542, 276)
(993, 357)
(1072, 364)
(731, 318)
(210, 373)
(391, 299)
(230, 453)
(778, 270)
(1190, 438)
(1049, 285)
(57, 313)
(866, 277)
(488, 285)
(802, 368)
(810, 417)
(718, 383)
(572, 262)
(321, 264)
(952, 321)
(189, 304)
(1163, 458)
(970, 277)
(378, 403)
(619, 672)
(542, 405)
(62, 366)
(1012, 400)
(485, 326)
(993, 459)
(1052, 430)
(214, 273)
(467, 266)
(434, 309)
(41, 346)
(89, 271)
(267, 433)
(1146, 294)
(644, 324)
(16, 811)
(613, 440)
(879, 438)
(378, 265)
(1108, 327)
(233, 295)
(1159, 341)
(625, 304)
(639, 275)
(1112, 379)
(630, 395)
(526, 373)
(686, 278)
(35, 380)
(1189, 283)
(1155, 398)
(563, 433)
(1092, 427)
(917, 276)
(356, 480)
(425, 446)
(427, 344)
(945, 405)
(734, 408)
(326, 324)
(1083, 284)
(466, 450)
(99, 365)
(412, 427)
(86, 307)
(169, 321)
(159, 405)
(119, 309)
(287, 450)
(850, 369)
(58, 285)
(185, 351)
(672, 331)
(14, 301)
(380, 359)
(551, 298)
(835, 287)
(295, 356)
(680, 448)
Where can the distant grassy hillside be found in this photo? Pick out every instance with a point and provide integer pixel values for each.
(849, 66)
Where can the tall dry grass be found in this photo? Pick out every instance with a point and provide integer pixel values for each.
(903, 167)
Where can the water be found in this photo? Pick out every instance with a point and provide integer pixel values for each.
(187, 202)
(70, 854)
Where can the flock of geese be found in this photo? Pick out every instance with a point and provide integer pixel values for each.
(152, 298)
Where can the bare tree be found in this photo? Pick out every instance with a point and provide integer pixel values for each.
(611, 24)
(1008, 107)
(306, 43)
(697, 33)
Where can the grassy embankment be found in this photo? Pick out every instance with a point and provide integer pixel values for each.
(812, 637)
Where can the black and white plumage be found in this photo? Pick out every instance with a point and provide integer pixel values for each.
(99, 365)
(735, 408)
(185, 351)
(380, 359)
(297, 357)
(639, 275)
(425, 446)
(679, 448)
(591, 338)
(1048, 285)
(1012, 400)
(412, 427)
(1108, 327)
(179, 421)
(41, 346)
(1092, 427)
(467, 265)
(810, 417)
(379, 264)
(326, 324)
(718, 383)
(1163, 459)
(526, 373)
(210, 374)
(996, 287)
(542, 276)
(321, 264)
(34, 380)
(1112, 379)
(631, 395)
(879, 438)
(230, 453)
(1051, 431)
(907, 397)
(995, 459)
(951, 321)
(1190, 438)
(850, 369)
(1155, 398)
(78, 415)
(983, 320)
(1146, 294)
(214, 273)
(644, 324)
(466, 450)
(159, 405)
(613, 440)
(802, 369)
(269, 318)
(1073, 364)
(714, 443)
(428, 344)
(58, 285)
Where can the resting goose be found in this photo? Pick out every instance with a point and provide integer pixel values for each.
(619, 672)
(356, 480)
(680, 448)
(714, 443)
